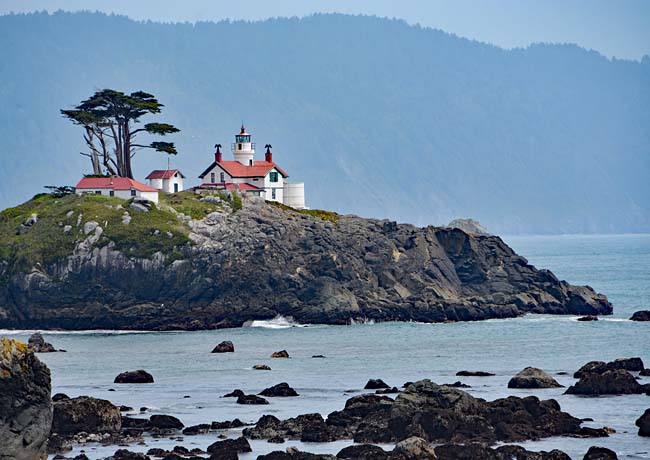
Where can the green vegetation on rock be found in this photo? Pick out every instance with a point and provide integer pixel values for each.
(318, 213)
(187, 203)
(59, 227)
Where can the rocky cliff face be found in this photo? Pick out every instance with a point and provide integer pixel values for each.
(25, 405)
(265, 260)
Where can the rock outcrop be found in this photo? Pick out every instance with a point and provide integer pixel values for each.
(600, 453)
(280, 390)
(438, 414)
(531, 377)
(25, 405)
(37, 343)
(264, 260)
(469, 226)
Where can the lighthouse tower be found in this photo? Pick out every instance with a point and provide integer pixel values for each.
(243, 149)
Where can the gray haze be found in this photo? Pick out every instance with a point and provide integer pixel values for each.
(615, 28)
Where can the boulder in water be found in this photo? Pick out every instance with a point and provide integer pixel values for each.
(139, 376)
(37, 343)
(375, 384)
(628, 364)
(644, 423)
(25, 405)
(234, 394)
(474, 374)
(261, 367)
(588, 318)
(362, 452)
(600, 453)
(227, 447)
(280, 390)
(85, 414)
(166, 422)
(224, 347)
(280, 354)
(413, 448)
(251, 400)
(531, 377)
(610, 382)
(643, 315)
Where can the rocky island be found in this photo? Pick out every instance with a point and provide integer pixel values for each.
(202, 261)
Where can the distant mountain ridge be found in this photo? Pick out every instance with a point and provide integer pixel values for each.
(379, 118)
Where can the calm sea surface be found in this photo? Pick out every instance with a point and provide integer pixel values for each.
(182, 365)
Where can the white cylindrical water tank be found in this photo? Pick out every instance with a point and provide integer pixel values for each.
(294, 194)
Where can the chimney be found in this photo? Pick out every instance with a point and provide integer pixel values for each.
(268, 156)
(217, 154)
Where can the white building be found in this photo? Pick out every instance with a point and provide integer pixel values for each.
(120, 187)
(166, 180)
(259, 177)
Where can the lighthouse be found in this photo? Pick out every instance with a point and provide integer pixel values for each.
(243, 149)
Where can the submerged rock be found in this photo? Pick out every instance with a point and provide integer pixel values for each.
(224, 347)
(139, 376)
(25, 405)
(531, 377)
(280, 354)
(251, 399)
(588, 318)
(474, 374)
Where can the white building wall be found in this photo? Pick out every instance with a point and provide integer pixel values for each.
(168, 184)
(294, 194)
(269, 186)
(123, 194)
(207, 179)
(156, 183)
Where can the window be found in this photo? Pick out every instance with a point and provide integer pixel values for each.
(133, 192)
(273, 177)
(223, 178)
(98, 192)
(212, 178)
(273, 194)
(250, 162)
(112, 193)
(239, 146)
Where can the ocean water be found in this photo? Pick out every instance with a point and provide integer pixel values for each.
(182, 364)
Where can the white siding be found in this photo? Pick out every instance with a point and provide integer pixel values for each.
(156, 183)
(217, 176)
(123, 194)
(294, 195)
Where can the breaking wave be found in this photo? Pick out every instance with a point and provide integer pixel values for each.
(279, 322)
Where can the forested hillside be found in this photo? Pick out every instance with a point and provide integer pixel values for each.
(379, 118)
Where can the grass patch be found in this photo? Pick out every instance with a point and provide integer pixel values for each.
(46, 242)
(188, 203)
(318, 213)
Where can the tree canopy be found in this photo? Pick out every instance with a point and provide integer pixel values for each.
(110, 120)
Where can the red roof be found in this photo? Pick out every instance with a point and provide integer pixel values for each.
(113, 183)
(236, 169)
(163, 174)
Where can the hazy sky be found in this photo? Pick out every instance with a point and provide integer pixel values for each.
(619, 28)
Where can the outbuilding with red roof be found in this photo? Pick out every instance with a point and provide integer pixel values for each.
(120, 187)
(166, 180)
